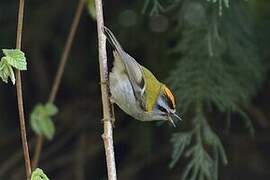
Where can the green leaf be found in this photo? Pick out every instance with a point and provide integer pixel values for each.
(38, 174)
(48, 129)
(6, 71)
(41, 121)
(51, 109)
(91, 8)
(15, 58)
(35, 120)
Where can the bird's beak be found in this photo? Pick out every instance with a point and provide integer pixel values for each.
(171, 120)
(178, 117)
(173, 115)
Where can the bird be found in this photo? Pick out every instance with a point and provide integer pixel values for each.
(136, 90)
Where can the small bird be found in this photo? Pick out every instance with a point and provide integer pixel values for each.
(136, 90)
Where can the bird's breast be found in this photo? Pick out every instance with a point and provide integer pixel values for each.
(122, 94)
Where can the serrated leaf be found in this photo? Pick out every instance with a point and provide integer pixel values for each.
(15, 58)
(38, 174)
(12, 75)
(6, 71)
(40, 119)
(91, 8)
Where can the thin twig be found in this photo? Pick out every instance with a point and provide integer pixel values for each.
(59, 73)
(107, 111)
(38, 148)
(66, 51)
(20, 95)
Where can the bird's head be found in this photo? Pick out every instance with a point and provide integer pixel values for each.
(166, 105)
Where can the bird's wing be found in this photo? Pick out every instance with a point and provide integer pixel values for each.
(135, 75)
(132, 67)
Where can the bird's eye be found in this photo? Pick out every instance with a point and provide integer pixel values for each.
(162, 109)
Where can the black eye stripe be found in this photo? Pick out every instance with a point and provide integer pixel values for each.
(162, 109)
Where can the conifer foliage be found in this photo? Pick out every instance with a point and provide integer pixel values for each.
(218, 71)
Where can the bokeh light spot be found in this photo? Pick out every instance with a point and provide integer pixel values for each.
(127, 18)
(159, 23)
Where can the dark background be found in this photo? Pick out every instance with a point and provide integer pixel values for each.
(142, 150)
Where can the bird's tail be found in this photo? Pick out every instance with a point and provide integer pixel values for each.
(112, 39)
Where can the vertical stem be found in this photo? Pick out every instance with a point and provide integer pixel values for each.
(59, 73)
(66, 51)
(20, 95)
(37, 152)
(107, 111)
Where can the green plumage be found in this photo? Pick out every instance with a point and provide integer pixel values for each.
(153, 89)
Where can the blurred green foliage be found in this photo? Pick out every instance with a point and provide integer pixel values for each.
(41, 121)
(218, 67)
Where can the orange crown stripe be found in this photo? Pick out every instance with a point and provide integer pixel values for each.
(170, 95)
